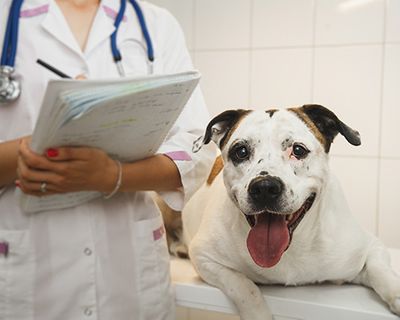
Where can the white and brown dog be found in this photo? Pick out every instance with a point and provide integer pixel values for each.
(275, 214)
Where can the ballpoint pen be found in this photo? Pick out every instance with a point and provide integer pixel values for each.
(52, 69)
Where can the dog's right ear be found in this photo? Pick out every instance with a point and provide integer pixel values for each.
(221, 127)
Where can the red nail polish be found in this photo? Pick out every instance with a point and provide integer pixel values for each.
(17, 184)
(51, 153)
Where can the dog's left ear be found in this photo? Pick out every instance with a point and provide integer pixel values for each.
(329, 125)
(220, 128)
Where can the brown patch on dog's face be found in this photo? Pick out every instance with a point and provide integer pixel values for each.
(311, 125)
(216, 169)
(326, 125)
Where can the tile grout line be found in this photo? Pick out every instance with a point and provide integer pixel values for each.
(289, 47)
(382, 84)
(313, 51)
(194, 10)
(250, 58)
(370, 157)
(188, 313)
(194, 45)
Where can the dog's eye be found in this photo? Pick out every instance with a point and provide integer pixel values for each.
(241, 152)
(299, 151)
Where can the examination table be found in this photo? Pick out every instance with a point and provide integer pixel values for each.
(312, 302)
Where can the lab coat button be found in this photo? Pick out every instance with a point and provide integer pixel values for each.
(88, 312)
(87, 251)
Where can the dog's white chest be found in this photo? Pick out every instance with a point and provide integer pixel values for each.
(309, 268)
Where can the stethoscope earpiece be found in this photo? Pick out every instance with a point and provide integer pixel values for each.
(10, 89)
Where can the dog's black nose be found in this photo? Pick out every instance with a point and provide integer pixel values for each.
(265, 190)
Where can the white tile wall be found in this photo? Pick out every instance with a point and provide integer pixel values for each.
(282, 23)
(391, 102)
(393, 21)
(347, 79)
(344, 54)
(389, 213)
(281, 77)
(184, 13)
(222, 24)
(359, 180)
(225, 79)
(349, 21)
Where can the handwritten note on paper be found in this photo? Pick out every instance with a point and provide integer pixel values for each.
(129, 119)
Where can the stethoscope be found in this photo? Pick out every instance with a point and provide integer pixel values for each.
(10, 88)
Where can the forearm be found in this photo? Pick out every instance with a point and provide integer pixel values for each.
(8, 162)
(157, 173)
(72, 169)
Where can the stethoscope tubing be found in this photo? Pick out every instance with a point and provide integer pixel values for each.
(12, 88)
(145, 30)
(6, 47)
(114, 49)
(11, 36)
(15, 33)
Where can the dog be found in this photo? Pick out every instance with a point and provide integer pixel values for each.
(271, 212)
(172, 220)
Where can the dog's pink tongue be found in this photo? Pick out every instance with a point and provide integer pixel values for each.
(268, 240)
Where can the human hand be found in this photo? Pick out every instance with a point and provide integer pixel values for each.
(65, 169)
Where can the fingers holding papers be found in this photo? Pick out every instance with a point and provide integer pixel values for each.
(66, 169)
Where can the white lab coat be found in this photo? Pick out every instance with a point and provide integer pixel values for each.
(106, 259)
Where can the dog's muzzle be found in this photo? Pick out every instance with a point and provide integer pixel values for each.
(271, 233)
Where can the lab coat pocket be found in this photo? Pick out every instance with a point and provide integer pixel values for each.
(153, 269)
(16, 276)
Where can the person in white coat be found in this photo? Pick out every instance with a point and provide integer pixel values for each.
(107, 258)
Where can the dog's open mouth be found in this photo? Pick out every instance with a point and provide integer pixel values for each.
(271, 233)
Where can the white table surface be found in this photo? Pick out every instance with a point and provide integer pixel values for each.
(313, 302)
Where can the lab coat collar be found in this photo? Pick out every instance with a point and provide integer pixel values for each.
(102, 28)
(111, 8)
(56, 25)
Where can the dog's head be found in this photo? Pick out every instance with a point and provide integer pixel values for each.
(275, 164)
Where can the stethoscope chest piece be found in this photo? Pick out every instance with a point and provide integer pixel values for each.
(10, 89)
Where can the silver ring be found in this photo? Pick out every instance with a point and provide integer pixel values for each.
(43, 187)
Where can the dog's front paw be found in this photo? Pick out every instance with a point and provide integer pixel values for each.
(395, 306)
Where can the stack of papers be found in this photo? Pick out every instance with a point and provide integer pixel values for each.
(128, 118)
